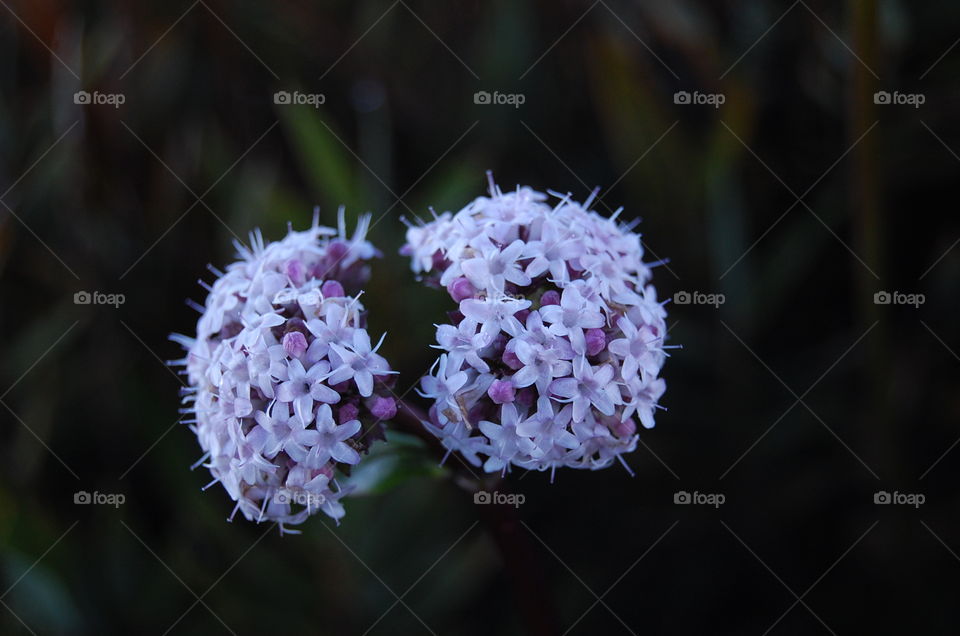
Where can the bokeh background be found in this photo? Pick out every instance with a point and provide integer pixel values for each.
(797, 399)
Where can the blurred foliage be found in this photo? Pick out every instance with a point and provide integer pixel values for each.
(138, 199)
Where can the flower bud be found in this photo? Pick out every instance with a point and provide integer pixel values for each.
(596, 341)
(294, 344)
(501, 391)
(383, 408)
(331, 289)
(461, 289)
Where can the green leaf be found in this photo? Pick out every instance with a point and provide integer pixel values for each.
(324, 160)
(389, 465)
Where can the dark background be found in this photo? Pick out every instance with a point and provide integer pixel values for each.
(103, 198)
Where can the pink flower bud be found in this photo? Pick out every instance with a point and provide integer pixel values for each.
(596, 341)
(550, 297)
(294, 344)
(460, 289)
(296, 271)
(331, 289)
(511, 360)
(348, 413)
(499, 344)
(336, 251)
(478, 412)
(501, 391)
(526, 397)
(384, 408)
(624, 429)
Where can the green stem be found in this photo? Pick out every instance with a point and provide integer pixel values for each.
(519, 554)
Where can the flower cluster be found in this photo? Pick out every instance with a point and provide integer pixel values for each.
(558, 338)
(283, 376)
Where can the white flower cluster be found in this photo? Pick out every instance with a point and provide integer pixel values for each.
(558, 339)
(283, 376)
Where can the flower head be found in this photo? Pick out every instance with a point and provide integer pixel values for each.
(558, 339)
(285, 387)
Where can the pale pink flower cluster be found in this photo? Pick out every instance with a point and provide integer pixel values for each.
(557, 342)
(285, 384)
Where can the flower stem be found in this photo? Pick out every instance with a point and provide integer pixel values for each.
(519, 554)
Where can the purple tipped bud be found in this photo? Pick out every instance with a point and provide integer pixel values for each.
(522, 315)
(296, 271)
(479, 412)
(511, 360)
(384, 408)
(348, 412)
(461, 288)
(501, 391)
(337, 250)
(596, 341)
(294, 344)
(331, 289)
(295, 324)
(499, 344)
(432, 414)
(526, 397)
(624, 429)
(550, 297)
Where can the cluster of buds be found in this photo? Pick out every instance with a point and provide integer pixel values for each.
(285, 386)
(557, 342)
